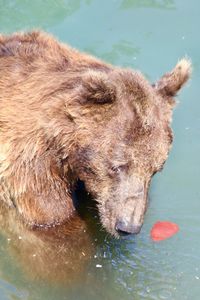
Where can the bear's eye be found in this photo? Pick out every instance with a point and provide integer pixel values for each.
(119, 169)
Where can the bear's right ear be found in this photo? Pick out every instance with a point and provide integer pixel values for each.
(97, 88)
(173, 81)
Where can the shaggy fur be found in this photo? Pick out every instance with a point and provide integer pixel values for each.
(65, 115)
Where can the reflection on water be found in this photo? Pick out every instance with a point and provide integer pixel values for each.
(122, 52)
(162, 4)
(55, 255)
(9, 291)
(28, 14)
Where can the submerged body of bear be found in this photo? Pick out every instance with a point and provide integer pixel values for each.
(65, 115)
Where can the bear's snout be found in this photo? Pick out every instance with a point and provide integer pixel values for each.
(125, 228)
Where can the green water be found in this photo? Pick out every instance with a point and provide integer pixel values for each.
(151, 36)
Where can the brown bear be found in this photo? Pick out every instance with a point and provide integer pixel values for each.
(65, 115)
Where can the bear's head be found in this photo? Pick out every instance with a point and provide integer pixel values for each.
(123, 138)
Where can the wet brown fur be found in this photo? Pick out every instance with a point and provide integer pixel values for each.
(66, 115)
(58, 254)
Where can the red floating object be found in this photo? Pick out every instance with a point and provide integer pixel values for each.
(162, 230)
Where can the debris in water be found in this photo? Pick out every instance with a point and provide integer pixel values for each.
(98, 266)
(162, 230)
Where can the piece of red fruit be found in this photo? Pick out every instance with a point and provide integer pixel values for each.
(162, 230)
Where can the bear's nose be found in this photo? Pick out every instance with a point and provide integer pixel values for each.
(124, 228)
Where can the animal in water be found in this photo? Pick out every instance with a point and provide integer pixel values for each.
(67, 116)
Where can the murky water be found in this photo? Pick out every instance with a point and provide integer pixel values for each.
(150, 35)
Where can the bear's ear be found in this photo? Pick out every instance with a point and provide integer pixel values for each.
(97, 88)
(172, 82)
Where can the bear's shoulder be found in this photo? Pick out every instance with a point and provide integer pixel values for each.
(30, 44)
